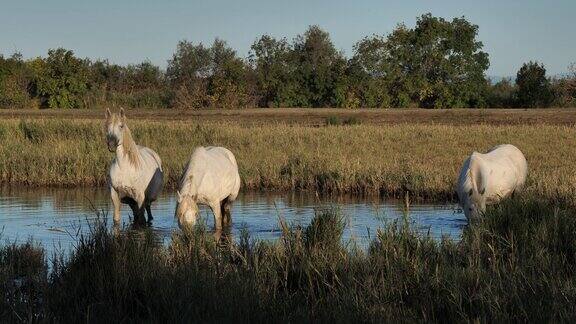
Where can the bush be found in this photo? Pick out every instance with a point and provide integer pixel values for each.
(533, 86)
(209, 77)
(61, 79)
(15, 82)
(502, 94)
(23, 282)
(565, 89)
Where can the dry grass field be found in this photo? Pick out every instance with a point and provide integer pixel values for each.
(420, 158)
(318, 117)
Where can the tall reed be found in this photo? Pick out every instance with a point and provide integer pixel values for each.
(516, 265)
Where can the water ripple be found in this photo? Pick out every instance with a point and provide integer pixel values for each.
(56, 217)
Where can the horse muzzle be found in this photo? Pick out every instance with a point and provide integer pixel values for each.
(112, 145)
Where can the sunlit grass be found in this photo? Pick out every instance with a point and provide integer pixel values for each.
(390, 160)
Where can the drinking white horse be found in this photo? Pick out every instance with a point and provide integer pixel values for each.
(488, 178)
(135, 175)
(210, 178)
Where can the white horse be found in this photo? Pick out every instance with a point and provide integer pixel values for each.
(135, 175)
(210, 178)
(488, 178)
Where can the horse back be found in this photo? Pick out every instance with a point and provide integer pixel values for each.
(150, 156)
(211, 170)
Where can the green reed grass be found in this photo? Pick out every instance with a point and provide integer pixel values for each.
(390, 160)
(516, 265)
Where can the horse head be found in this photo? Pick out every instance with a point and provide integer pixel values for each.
(115, 129)
(186, 210)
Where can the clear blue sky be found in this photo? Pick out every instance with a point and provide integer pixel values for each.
(132, 31)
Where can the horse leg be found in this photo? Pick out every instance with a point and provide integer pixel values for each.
(225, 219)
(134, 208)
(216, 210)
(141, 207)
(116, 203)
(140, 217)
(138, 213)
(228, 209)
(226, 212)
(150, 218)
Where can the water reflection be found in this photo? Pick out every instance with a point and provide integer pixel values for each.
(56, 217)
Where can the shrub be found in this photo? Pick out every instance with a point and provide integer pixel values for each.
(502, 94)
(15, 82)
(23, 282)
(533, 86)
(61, 79)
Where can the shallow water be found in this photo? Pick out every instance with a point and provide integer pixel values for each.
(56, 217)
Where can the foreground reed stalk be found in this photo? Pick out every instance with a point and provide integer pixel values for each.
(516, 265)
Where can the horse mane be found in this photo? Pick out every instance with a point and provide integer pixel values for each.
(130, 147)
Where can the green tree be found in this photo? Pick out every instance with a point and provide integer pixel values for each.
(501, 94)
(534, 88)
(106, 75)
(369, 72)
(134, 85)
(451, 61)
(571, 86)
(189, 62)
(143, 85)
(187, 74)
(228, 85)
(15, 82)
(143, 76)
(61, 79)
(209, 76)
(319, 69)
(274, 71)
(564, 89)
(437, 64)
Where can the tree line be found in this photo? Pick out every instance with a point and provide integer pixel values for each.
(436, 64)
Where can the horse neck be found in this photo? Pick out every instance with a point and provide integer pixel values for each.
(128, 151)
(476, 176)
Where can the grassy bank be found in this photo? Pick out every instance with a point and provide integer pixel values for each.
(389, 160)
(517, 265)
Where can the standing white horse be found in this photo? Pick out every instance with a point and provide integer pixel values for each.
(210, 178)
(488, 178)
(135, 175)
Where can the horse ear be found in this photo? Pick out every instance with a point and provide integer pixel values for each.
(108, 113)
(122, 114)
(178, 195)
